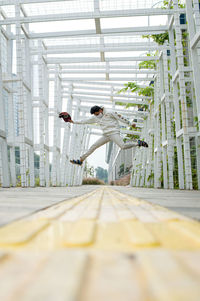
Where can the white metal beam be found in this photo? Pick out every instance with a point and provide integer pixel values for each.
(61, 60)
(132, 114)
(92, 33)
(85, 71)
(95, 91)
(13, 2)
(91, 15)
(80, 49)
(103, 83)
(119, 97)
(104, 101)
(138, 79)
(90, 99)
(99, 67)
(82, 45)
(195, 40)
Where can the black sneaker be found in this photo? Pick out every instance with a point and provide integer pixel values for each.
(142, 143)
(78, 162)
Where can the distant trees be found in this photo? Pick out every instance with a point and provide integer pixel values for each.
(102, 174)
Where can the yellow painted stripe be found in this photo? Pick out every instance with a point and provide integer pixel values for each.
(134, 205)
(138, 234)
(58, 210)
(189, 229)
(81, 234)
(170, 237)
(21, 232)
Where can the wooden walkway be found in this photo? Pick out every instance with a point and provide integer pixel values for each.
(101, 246)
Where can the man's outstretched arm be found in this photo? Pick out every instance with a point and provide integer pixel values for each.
(84, 121)
(123, 119)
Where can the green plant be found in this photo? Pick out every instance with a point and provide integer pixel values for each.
(18, 184)
(166, 4)
(151, 176)
(151, 64)
(132, 86)
(162, 37)
(131, 137)
(121, 170)
(121, 103)
(196, 122)
(37, 181)
(148, 91)
(158, 38)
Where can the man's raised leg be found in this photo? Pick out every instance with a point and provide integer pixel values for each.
(101, 141)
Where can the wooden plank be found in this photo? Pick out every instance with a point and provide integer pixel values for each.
(190, 260)
(114, 277)
(59, 280)
(167, 279)
(17, 272)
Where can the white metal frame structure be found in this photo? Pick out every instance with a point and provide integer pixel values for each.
(175, 158)
(74, 66)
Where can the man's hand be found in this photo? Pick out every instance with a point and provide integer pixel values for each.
(71, 121)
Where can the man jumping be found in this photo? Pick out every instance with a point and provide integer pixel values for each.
(109, 123)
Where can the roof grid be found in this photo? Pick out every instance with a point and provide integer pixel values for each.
(9, 10)
(74, 6)
(126, 4)
(123, 39)
(73, 41)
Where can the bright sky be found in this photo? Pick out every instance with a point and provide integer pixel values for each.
(98, 157)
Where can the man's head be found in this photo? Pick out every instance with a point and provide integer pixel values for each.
(96, 110)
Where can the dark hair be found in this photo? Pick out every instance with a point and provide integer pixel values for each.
(95, 109)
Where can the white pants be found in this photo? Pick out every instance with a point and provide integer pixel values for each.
(104, 139)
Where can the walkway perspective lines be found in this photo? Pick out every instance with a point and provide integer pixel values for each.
(102, 246)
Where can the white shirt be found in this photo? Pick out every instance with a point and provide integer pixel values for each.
(109, 123)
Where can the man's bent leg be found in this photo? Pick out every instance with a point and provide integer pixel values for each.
(119, 141)
(97, 144)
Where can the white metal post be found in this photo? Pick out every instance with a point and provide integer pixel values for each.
(176, 108)
(182, 87)
(170, 140)
(20, 94)
(193, 22)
